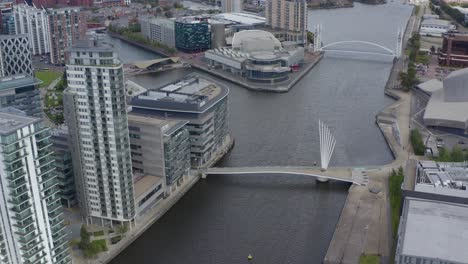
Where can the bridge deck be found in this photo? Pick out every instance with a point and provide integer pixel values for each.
(353, 175)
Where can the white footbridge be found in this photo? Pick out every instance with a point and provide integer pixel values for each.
(323, 173)
(378, 49)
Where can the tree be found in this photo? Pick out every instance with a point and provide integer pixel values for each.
(310, 37)
(85, 238)
(457, 154)
(433, 49)
(417, 142)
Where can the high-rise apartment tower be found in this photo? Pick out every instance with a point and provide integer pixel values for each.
(96, 113)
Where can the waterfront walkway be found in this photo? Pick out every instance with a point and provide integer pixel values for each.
(353, 175)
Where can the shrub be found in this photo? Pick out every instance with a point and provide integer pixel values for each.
(116, 239)
(394, 181)
(417, 142)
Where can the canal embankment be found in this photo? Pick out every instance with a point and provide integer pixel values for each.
(155, 213)
(364, 224)
(140, 45)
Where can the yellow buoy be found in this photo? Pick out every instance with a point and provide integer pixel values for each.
(250, 257)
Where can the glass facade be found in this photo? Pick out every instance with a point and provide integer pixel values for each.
(29, 169)
(26, 98)
(192, 36)
(176, 155)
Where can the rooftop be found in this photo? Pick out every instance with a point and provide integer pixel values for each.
(434, 230)
(444, 178)
(145, 183)
(168, 125)
(93, 45)
(238, 18)
(191, 94)
(430, 86)
(18, 81)
(11, 121)
(438, 22)
(448, 107)
(192, 19)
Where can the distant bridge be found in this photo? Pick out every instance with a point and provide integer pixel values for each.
(319, 47)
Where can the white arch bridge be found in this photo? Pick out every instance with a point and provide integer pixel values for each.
(323, 173)
(381, 50)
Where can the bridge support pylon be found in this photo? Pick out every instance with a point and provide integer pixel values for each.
(399, 45)
(318, 38)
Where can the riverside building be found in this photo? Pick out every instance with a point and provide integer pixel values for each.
(159, 29)
(200, 102)
(257, 56)
(192, 34)
(95, 111)
(32, 227)
(160, 157)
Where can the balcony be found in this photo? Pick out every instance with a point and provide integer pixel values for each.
(16, 175)
(16, 184)
(27, 239)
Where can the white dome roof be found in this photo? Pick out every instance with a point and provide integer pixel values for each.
(255, 40)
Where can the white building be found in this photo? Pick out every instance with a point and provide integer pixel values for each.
(256, 55)
(448, 106)
(32, 225)
(33, 22)
(435, 27)
(95, 110)
(159, 29)
(230, 6)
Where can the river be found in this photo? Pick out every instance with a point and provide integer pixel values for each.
(281, 219)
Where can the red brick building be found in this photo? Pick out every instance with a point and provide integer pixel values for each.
(65, 32)
(454, 51)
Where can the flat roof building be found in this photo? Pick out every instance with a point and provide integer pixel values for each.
(192, 34)
(432, 232)
(161, 30)
(435, 27)
(442, 180)
(160, 147)
(21, 92)
(200, 102)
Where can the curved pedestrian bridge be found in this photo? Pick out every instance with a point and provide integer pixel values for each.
(353, 175)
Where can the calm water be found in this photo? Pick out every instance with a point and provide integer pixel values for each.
(282, 219)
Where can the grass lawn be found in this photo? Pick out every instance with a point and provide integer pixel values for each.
(47, 77)
(369, 259)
